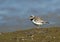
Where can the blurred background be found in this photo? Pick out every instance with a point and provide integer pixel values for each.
(14, 14)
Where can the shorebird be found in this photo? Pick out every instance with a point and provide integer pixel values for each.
(37, 20)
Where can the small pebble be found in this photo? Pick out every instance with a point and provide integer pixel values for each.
(10, 39)
(23, 39)
(32, 38)
(54, 37)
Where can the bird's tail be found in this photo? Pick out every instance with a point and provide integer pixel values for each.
(46, 22)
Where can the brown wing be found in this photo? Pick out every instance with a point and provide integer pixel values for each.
(38, 19)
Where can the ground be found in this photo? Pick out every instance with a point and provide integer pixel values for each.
(51, 34)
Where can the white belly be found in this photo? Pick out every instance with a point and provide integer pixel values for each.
(37, 23)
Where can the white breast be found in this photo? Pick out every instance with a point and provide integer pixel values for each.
(36, 22)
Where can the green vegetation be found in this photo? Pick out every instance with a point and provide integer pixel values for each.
(51, 34)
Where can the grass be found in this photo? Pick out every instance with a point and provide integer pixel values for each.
(51, 34)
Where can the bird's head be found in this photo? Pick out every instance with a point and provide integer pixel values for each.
(31, 17)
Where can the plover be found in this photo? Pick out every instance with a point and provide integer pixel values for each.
(37, 20)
